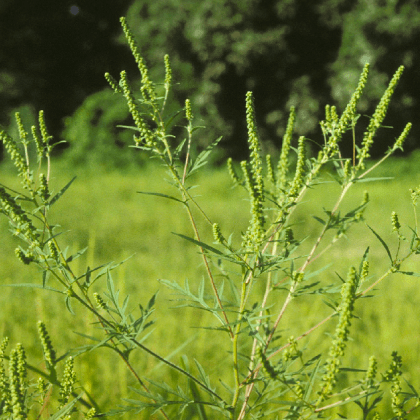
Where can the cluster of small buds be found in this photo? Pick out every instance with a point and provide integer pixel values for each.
(232, 172)
(393, 375)
(168, 73)
(90, 414)
(4, 383)
(377, 118)
(67, 383)
(297, 277)
(350, 112)
(336, 128)
(23, 134)
(146, 134)
(298, 179)
(43, 190)
(100, 303)
(188, 112)
(17, 373)
(401, 139)
(44, 132)
(14, 153)
(147, 88)
(415, 195)
(217, 234)
(347, 169)
(330, 124)
(42, 388)
(267, 367)
(283, 163)
(255, 149)
(25, 257)
(395, 368)
(48, 349)
(299, 390)
(53, 251)
(270, 172)
(288, 236)
(359, 215)
(292, 352)
(38, 143)
(372, 370)
(23, 225)
(364, 272)
(348, 295)
(396, 226)
(113, 83)
(255, 233)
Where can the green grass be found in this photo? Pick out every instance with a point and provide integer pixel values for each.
(104, 212)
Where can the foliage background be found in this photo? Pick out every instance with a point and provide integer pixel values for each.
(302, 53)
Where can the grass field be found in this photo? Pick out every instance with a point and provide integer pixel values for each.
(102, 210)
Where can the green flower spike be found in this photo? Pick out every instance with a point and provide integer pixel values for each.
(17, 373)
(49, 352)
(348, 296)
(145, 133)
(67, 383)
(113, 83)
(283, 163)
(298, 180)
(377, 118)
(147, 88)
(232, 173)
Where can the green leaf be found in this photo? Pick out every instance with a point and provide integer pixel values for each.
(66, 409)
(383, 243)
(33, 286)
(60, 193)
(76, 255)
(409, 273)
(202, 157)
(161, 195)
(200, 244)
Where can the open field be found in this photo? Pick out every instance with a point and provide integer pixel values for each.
(102, 210)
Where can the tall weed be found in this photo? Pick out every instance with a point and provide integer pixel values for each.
(254, 278)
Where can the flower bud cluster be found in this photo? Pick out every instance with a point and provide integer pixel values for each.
(396, 226)
(147, 88)
(113, 83)
(4, 383)
(67, 383)
(270, 172)
(18, 385)
(283, 163)
(14, 153)
(48, 349)
(100, 303)
(377, 118)
(145, 132)
(19, 218)
(168, 73)
(348, 295)
(393, 375)
(217, 234)
(232, 172)
(43, 190)
(298, 180)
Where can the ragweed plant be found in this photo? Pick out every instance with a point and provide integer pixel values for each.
(53, 395)
(267, 270)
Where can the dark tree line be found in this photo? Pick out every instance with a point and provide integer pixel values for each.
(300, 53)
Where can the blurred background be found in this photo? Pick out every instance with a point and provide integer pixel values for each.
(53, 56)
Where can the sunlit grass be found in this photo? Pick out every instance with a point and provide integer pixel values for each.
(104, 212)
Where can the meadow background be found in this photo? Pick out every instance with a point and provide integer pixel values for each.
(103, 211)
(303, 54)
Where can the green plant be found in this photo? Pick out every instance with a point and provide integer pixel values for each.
(254, 279)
